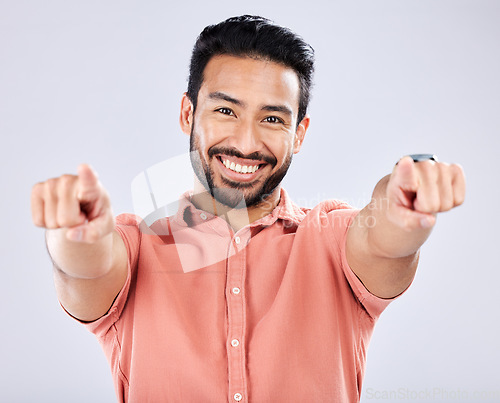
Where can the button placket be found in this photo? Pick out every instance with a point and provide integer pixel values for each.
(242, 237)
(236, 267)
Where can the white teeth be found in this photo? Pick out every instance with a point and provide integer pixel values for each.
(244, 169)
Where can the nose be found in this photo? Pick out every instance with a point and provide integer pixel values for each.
(246, 138)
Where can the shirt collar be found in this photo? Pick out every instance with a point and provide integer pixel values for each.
(188, 215)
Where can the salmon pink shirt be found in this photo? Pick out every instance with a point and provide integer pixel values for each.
(271, 313)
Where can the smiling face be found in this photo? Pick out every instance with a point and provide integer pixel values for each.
(244, 131)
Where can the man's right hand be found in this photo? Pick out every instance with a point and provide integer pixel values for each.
(89, 255)
(78, 203)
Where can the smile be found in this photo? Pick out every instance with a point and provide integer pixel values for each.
(242, 169)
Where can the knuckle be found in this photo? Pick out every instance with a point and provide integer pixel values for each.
(445, 171)
(51, 219)
(37, 190)
(38, 221)
(457, 168)
(435, 205)
(430, 170)
(447, 204)
(67, 180)
(63, 182)
(459, 199)
(431, 208)
(457, 171)
(51, 185)
(66, 183)
(65, 219)
(428, 205)
(428, 164)
(51, 223)
(446, 168)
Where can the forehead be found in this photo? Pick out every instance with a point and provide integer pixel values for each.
(252, 80)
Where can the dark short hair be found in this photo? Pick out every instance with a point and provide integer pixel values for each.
(258, 37)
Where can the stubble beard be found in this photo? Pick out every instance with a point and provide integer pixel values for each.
(235, 195)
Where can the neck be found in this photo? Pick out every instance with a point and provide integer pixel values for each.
(236, 218)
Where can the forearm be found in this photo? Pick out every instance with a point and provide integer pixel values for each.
(383, 255)
(89, 255)
(384, 240)
(78, 259)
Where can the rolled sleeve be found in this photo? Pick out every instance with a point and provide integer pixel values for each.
(128, 228)
(341, 220)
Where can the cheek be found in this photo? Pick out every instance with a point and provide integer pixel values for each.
(211, 133)
(281, 147)
(202, 136)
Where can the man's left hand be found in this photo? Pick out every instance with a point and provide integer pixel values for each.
(417, 191)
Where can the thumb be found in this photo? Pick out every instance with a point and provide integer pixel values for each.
(92, 231)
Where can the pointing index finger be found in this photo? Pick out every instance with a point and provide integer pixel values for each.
(88, 181)
(404, 175)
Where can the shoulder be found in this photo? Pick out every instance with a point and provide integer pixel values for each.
(289, 210)
(329, 219)
(327, 209)
(128, 219)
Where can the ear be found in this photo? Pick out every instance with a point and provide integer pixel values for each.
(186, 116)
(300, 133)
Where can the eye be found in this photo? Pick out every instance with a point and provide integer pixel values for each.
(273, 119)
(225, 111)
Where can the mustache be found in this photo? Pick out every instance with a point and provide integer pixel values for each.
(233, 152)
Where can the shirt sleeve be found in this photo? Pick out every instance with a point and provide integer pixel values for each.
(340, 220)
(128, 227)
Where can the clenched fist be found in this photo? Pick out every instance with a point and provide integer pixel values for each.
(78, 203)
(416, 192)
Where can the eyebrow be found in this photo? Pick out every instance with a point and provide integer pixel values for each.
(278, 108)
(224, 97)
(217, 95)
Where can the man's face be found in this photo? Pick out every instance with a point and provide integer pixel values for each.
(244, 130)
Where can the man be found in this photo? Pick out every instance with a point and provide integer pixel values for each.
(241, 295)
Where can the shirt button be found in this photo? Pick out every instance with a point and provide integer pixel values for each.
(236, 290)
(237, 240)
(203, 216)
(235, 342)
(238, 397)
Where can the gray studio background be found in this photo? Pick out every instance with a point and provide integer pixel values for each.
(101, 81)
